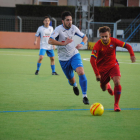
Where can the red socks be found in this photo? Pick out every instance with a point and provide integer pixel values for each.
(117, 94)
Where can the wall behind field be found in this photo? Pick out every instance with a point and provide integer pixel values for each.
(18, 40)
(25, 40)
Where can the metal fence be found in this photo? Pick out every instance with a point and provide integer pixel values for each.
(30, 24)
(22, 24)
(123, 29)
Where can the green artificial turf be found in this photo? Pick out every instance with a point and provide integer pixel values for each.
(44, 107)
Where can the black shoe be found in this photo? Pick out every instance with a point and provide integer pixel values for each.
(85, 101)
(37, 71)
(54, 73)
(76, 90)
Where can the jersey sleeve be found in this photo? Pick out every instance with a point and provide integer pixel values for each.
(93, 58)
(119, 43)
(79, 33)
(125, 45)
(38, 32)
(94, 51)
(55, 33)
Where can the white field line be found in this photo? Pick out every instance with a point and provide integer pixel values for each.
(88, 59)
(25, 55)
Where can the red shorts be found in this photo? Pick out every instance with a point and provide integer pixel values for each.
(105, 76)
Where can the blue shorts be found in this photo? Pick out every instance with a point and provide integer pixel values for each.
(70, 65)
(50, 53)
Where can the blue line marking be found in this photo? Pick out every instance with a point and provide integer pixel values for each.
(65, 110)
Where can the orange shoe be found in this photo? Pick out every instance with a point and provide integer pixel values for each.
(109, 89)
(116, 108)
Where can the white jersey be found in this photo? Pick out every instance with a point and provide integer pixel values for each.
(44, 34)
(61, 34)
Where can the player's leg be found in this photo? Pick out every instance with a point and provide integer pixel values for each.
(104, 83)
(41, 56)
(50, 53)
(116, 76)
(73, 83)
(68, 71)
(109, 89)
(117, 92)
(77, 65)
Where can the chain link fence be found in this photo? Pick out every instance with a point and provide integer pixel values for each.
(122, 29)
(119, 29)
(24, 24)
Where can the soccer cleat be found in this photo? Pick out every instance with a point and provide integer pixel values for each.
(54, 73)
(110, 91)
(76, 90)
(85, 101)
(37, 71)
(116, 108)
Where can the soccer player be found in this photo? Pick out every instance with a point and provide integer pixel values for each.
(44, 32)
(105, 65)
(69, 57)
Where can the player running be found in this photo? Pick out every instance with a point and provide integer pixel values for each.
(105, 65)
(68, 53)
(44, 32)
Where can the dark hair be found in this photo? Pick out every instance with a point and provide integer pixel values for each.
(47, 17)
(65, 14)
(104, 29)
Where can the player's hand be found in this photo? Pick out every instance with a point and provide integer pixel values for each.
(68, 40)
(133, 59)
(35, 43)
(79, 46)
(98, 77)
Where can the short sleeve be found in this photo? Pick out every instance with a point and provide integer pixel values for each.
(79, 33)
(120, 43)
(55, 33)
(38, 32)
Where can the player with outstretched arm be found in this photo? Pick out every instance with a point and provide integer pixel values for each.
(44, 33)
(69, 57)
(105, 65)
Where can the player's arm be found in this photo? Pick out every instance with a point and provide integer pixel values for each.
(54, 35)
(55, 42)
(94, 65)
(132, 55)
(128, 47)
(84, 40)
(82, 35)
(36, 38)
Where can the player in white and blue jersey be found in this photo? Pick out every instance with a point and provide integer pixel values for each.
(44, 33)
(69, 57)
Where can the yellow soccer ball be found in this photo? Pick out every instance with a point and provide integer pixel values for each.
(96, 109)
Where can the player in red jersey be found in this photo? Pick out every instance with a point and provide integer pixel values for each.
(105, 65)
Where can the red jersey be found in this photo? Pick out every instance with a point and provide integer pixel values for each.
(105, 54)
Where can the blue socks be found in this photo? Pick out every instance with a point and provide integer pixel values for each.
(53, 68)
(83, 84)
(38, 66)
(74, 85)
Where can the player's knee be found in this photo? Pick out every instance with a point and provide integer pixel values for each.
(103, 88)
(80, 71)
(41, 57)
(52, 58)
(117, 82)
